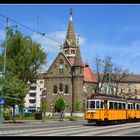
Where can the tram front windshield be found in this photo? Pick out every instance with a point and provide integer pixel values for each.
(94, 104)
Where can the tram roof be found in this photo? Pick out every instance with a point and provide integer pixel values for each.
(115, 98)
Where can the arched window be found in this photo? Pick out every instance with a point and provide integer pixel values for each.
(61, 67)
(66, 89)
(61, 87)
(55, 89)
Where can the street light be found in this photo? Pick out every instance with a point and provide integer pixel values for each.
(1, 102)
(2, 75)
(43, 104)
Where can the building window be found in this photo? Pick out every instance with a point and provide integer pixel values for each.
(32, 101)
(66, 89)
(32, 88)
(41, 82)
(55, 89)
(61, 66)
(61, 87)
(72, 51)
(32, 94)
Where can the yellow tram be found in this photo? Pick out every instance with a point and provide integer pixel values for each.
(103, 108)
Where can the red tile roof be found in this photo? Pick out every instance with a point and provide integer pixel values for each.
(88, 74)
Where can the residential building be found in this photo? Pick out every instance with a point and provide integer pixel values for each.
(33, 98)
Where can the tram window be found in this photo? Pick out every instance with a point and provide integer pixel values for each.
(129, 107)
(110, 105)
(138, 107)
(101, 104)
(97, 105)
(133, 106)
(92, 104)
(105, 104)
(115, 105)
(120, 105)
(87, 105)
(124, 106)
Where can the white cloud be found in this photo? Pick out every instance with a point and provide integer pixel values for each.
(125, 55)
(82, 40)
(47, 44)
(52, 47)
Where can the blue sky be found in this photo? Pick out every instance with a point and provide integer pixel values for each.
(105, 29)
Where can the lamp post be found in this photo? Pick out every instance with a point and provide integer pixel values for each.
(2, 75)
(1, 104)
(43, 104)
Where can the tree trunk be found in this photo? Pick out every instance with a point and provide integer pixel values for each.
(13, 118)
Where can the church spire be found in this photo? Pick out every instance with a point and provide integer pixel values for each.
(70, 44)
(70, 32)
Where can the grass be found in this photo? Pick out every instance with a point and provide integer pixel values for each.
(70, 118)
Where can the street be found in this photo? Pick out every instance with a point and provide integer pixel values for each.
(69, 128)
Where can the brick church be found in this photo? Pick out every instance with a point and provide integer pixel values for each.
(68, 76)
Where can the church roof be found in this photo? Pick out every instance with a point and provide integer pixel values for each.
(70, 32)
(88, 74)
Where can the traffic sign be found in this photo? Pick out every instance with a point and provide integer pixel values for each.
(1, 101)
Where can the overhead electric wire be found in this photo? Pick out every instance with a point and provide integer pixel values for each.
(43, 34)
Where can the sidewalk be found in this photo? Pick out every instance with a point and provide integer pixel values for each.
(38, 121)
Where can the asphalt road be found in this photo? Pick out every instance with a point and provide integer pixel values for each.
(69, 128)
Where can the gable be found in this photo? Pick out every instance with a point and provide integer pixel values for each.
(54, 70)
(66, 44)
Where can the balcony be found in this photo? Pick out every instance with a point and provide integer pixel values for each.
(32, 97)
(32, 104)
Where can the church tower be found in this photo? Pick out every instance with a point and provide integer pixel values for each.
(64, 78)
(70, 44)
(77, 82)
(72, 52)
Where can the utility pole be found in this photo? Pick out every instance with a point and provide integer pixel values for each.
(4, 66)
(3, 75)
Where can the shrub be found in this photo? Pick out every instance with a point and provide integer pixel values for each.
(72, 118)
(27, 114)
(6, 114)
(38, 116)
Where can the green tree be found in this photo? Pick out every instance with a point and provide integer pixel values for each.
(43, 108)
(60, 105)
(77, 106)
(109, 75)
(14, 92)
(24, 57)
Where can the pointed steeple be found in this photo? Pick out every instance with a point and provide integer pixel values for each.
(70, 32)
(70, 44)
(78, 60)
